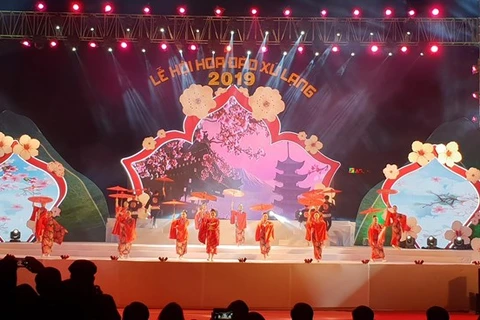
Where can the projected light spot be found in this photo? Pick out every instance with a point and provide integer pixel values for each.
(144, 50)
(434, 49)
(218, 11)
(74, 49)
(374, 48)
(317, 54)
(284, 53)
(163, 46)
(323, 13)
(110, 50)
(108, 8)
(475, 95)
(390, 54)
(300, 49)
(213, 53)
(228, 48)
(352, 54)
(249, 52)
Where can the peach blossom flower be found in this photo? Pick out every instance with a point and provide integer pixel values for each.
(220, 91)
(161, 134)
(472, 175)
(197, 101)
(458, 230)
(302, 136)
(149, 143)
(27, 147)
(5, 144)
(266, 104)
(422, 153)
(448, 154)
(391, 171)
(312, 144)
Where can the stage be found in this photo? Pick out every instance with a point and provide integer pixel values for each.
(447, 278)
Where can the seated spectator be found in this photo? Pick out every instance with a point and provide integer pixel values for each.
(239, 308)
(437, 313)
(26, 302)
(301, 311)
(171, 311)
(136, 311)
(48, 283)
(255, 316)
(362, 313)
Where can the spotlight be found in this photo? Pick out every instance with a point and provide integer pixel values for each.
(263, 49)
(411, 13)
(249, 52)
(475, 95)
(182, 10)
(57, 28)
(213, 52)
(408, 33)
(162, 30)
(266, 33)
(15, 235)
(74, 49)
(219, 11)
(92, 44)
(232, 32)
(390, 54)
(147, 10)
(374, 48)
(144, 50)
(410, 242)
(26, 43)
(404, 49)
(302, 33)
(53, 43)
(474, 69)
(75, 7)
(228, 48)
(317, 54)
(128, 30)
(180, 51)
(422, 54)
(110, 50)
(108, 8)
(254, 11)
(192, 47)
(388, 12)
(431, 243)
(92, 29)
(287, 12)
(458, 244)
(434, 49)
(40, 6)
(435, 12)
(352, 54)
(163, 46)
(356, 12)
(323, 13)
(284, 53)
(335, 49)
(300, 49)
(124, 45)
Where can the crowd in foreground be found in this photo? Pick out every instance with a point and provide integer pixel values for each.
(78, 298)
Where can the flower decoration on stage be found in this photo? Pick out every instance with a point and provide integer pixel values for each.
(475, 218)
(149, 143)
(418, 261)
(5, 144)
(244, 91)
(64, 256)
(114, 258)
(27, 147)
(422, 153)
(161, 133)
(412, 229)
(56, 212)
(391, 171)
(472, 175)
(56, 168)
(220, 91)
(312, 144)
(197, 101)
(302, 136)
(266, 104)
(448, 154)
(365, 261)
(458, 230)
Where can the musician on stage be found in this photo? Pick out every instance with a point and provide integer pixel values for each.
(211, 225)
(154, 203)
(317, 234)
(239, 218)
(179, 232)
(124, 228)
(398, 223)
(264, 234)
(326, 210)
(376, 238)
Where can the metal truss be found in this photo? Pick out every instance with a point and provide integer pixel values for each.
(247, 30)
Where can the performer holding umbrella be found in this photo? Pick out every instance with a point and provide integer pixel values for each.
(265, 230)
(124, 227)
(237, 217)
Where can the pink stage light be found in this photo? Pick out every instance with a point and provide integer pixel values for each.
(475, 95)
(434, 49)
(374, 48)
(192, 47)
(335, 49)
(411, 13)
(404, 49)
(147, 10)
(163, 46)
(356, 12)
(182, 10)
(254, 11)
(40, 6)
(287, 12)
(435, 12)
(300, 49)
(92, 44)
(388, 12)
(26, 43)
(108, 8)
(263, 49)
(219, 11)
(53, 44)
(124, 45)
(324, 13)
(474, 69)
(75, 7)
(228, 48)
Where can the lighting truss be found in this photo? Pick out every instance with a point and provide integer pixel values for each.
(212, 29)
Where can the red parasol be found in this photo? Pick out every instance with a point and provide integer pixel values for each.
(310, 202)
(120, 196)
(371, 210)
(118, 189)
(40, 199)
(203, 196)
(164, 179)
(234, 193)
(387, 191)
(262, 207)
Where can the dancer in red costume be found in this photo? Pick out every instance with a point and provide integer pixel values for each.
(318, 234)
(239, 219)
(32, 223)
(211, 226)
(179, 233)
(264, 234)
(398, 222)
(308, 226)
(48, 230)
(376, 238)
(124, 228)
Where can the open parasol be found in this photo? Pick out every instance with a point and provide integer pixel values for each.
(234, 193)
(262, 207)
(40, 199)
(330, 190)
(310, 202)
(203, 196)
(313, 194)
(118, 189)
(387, 191)
(174, 203)
(120, 196)
(164, 179)
(371, 210)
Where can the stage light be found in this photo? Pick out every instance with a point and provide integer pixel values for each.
(254, 11)
(197, 30)
(371, 33)
(180, 51)
(458, 243)
(57, 28)
(404, 49)
(263, 49)
(411, 13)
(192, 47)
(434, 49)
(53, 43)
(26, 43)
(388, 12)
(410, 242)
(287, 12)
(213, 52)
(182, 10)
(285, 53)
(408, 33)
(356, 12)
(323, 13)
(352, 54)
(249, 52)
(108, 8)
(147, 10)
(15, 235)
(75, 7)
(110, 50)
(74, 49)
(124, 45)
(422, 54)
(163, 46)
(474, 69)
(435, 12)
(92, 29)
(317, 54)
(374, 48)
(219, 11)
(162, 30)
(144, 50)
(232, 32)
(390, 54)
(335, 49)
(300, 49)
(266, 33)
(92, 44)
(475, 95)
(40, 6)
(339, 34)
(302, 33)
(228, 48)
(431, 243)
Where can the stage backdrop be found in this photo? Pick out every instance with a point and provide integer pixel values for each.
(232, 137)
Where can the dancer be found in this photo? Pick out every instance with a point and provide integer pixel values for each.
(200, 218)
(212, 234)
(154, 202)
(318, 234)
(239, 218)
(398, 222)
(264, 234)
(308, 226)
(133, 206)
(48, 230)
(326, 209)
(124, 228)
(179, 232)
(32, 223)
(376, 238)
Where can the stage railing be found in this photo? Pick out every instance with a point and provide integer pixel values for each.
(211, 30)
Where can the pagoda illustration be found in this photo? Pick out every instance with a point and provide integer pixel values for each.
(288, 187)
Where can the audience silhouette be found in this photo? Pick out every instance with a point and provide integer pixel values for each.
(301, 311)
(362, 313)
(136, 311)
